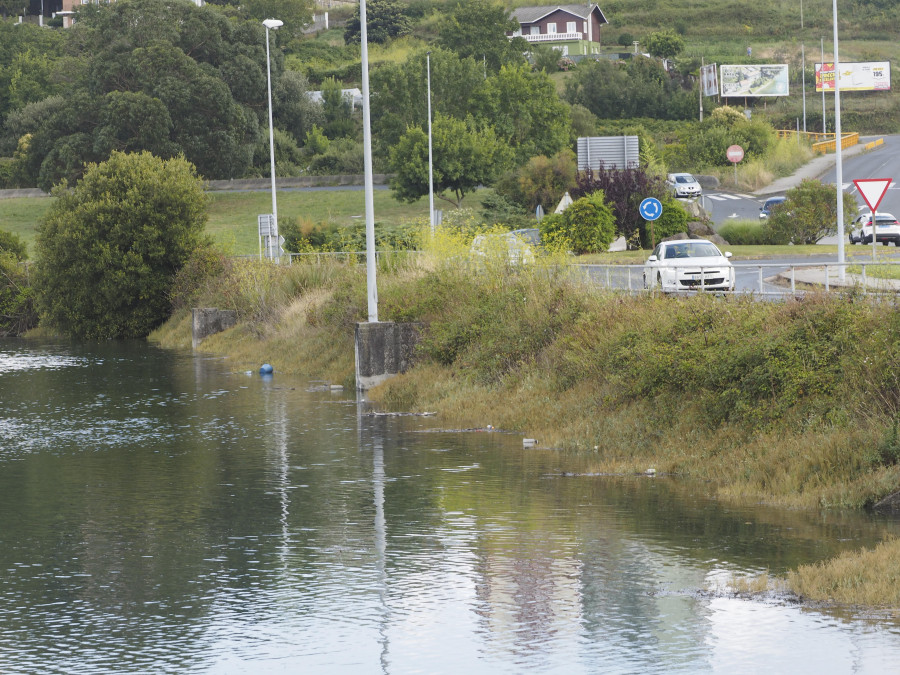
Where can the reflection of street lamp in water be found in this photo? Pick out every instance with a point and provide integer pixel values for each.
(271, 24)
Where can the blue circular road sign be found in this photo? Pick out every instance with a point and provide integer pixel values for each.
(650, 208)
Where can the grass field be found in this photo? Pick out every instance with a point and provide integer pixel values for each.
(232, 215)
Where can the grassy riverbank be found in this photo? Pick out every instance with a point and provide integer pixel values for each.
(787, 403)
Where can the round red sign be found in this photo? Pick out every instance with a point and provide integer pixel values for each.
(735, 153)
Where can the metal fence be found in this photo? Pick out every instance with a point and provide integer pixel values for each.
(767, 278)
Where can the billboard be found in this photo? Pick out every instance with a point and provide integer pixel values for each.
(863, 76)
(709, 83)
(755, 80)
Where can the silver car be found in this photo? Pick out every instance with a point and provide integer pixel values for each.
(689, 265)
(684, 185)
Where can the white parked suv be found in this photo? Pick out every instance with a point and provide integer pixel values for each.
(887, 229)
(684, 185)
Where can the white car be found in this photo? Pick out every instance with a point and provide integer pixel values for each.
(688, 265)
(508, 247)
(887, 229)
(684, 185)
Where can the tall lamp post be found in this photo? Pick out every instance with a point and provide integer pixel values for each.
(839, 171)
(271, 24)
(430, 164)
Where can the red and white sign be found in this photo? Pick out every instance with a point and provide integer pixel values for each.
(735, 153)
(872, 190)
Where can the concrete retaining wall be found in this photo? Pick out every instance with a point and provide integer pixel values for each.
(384, 349)
(206, 321)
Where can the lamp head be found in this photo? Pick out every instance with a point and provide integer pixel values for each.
(273, 23)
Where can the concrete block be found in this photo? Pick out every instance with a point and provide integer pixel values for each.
(384, 349)
(206, 321)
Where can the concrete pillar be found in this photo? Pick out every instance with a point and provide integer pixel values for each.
(384, 349)
(206, 321)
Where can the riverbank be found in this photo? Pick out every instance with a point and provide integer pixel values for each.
(785, 403)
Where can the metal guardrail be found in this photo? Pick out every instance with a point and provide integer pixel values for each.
(821, 143)
(766, 279)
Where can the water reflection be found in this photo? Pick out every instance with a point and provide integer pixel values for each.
(162, 515)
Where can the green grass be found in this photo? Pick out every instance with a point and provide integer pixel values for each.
(232, 215)
(21, 215)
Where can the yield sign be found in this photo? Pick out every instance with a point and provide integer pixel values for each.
(872, 190)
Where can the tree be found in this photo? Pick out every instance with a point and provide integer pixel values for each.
(624, 189)
(808, 214)
(463, 158)
(665, 44)
(543, 180)
(385, 20)
(477, 29)
(109, 249)
(638, 88)
(525, 110)
(17, 313)
(295, 13)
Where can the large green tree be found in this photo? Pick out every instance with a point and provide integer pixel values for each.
(477, 29)
(464, 157)
(665, 44)
(109, 249)
(637, 88)
(385, 20)
(158, 75)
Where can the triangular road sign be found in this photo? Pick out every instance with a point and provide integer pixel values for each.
(872, 190)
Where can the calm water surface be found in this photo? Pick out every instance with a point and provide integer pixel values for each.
(158, 514)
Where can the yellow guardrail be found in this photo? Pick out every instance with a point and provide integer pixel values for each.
(874, 144)
(822, 143)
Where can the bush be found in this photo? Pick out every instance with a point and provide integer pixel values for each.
(747, 233)
(674, 219)
(12, 244)
(109, 250)
(17, 312)
(625, 40)
(809, 213)
(586, 226)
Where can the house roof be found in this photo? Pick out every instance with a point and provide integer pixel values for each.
(533, 14)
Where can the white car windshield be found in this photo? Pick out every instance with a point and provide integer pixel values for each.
(700, 249)
(684, 179)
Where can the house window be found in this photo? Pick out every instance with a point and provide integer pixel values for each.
(570, 27)
(551, 28)
(535, 30)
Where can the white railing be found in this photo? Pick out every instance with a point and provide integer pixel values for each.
(767, 279)
(550, 37)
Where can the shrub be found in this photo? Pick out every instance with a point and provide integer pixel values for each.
(808, 214)
(674, 219)
(586, 226)
(746, 233)
(109, 249)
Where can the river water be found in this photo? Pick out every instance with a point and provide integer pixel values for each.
(160, 514)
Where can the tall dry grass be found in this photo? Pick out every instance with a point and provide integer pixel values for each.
(870, 577)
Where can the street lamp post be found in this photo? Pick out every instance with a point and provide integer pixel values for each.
(839, 171)
(271, 24)
(430, 164)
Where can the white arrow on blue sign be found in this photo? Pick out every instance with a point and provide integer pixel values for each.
(650, 208)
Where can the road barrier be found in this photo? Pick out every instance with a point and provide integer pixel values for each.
(775, 279)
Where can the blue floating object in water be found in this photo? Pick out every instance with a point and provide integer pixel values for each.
(266, 369)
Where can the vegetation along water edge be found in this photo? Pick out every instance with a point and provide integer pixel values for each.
(792, 403)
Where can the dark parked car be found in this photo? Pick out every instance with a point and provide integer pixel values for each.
(769, 204)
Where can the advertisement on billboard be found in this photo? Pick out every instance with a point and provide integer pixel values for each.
(755, 80)
(709, 83)
(863, 76)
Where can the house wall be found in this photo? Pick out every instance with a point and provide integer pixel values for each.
(561, 18)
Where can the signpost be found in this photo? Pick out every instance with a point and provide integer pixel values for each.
(651, 209)
(735, 154)
(873, 191)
